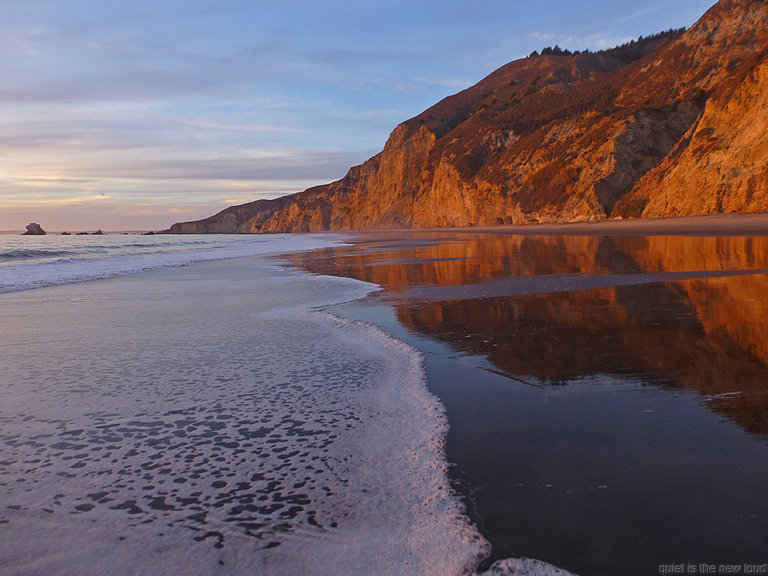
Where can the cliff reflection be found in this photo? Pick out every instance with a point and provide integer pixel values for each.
(398, 262)
(705, 334)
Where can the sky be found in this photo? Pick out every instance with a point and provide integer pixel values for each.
(133, 115)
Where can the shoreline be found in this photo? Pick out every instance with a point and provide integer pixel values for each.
(441, 365)
(462, 352)
(213, 412)
(560, 379)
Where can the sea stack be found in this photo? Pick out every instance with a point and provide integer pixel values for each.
(34, 229)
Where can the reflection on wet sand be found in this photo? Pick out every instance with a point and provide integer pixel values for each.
(703, 333)
(650, 330)
(607, 396)
(408, 259)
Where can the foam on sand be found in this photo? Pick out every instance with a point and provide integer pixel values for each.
(524, 567)
(209, 420)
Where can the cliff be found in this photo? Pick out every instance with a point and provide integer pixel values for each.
(675, 124)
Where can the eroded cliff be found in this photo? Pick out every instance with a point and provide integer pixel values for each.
(670, 125)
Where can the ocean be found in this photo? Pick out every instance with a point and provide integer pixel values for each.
(186, 405)
(39, 261)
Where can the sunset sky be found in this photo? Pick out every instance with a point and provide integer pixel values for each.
(133, 115)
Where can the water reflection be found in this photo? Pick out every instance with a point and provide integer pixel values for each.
(704, 333)
(607, 429)
(451, 259)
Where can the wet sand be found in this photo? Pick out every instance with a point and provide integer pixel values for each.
(606, 384)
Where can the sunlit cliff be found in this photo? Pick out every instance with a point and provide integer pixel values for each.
(674, 124)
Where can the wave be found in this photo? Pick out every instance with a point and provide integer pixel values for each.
(27, 253)
(68, 260)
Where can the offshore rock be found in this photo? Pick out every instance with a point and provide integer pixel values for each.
(671, 125)
(34, 229)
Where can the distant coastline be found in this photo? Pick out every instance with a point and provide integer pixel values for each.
(73, 232)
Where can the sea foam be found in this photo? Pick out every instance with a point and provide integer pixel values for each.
(211, 419)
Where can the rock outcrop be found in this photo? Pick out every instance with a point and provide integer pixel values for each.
(34, 229)
(675, 124)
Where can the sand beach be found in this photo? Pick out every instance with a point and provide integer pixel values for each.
(410, 402)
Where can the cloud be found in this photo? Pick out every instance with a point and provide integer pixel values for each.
(266, 165)
(100, 197)
(127, 203)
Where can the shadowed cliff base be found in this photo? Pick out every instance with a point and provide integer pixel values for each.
(672, 125)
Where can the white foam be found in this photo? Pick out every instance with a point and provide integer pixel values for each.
(209, 420)
(524, 567)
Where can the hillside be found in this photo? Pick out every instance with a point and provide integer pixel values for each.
(671, 125)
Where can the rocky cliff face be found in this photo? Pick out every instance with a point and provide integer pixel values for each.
(676, 124)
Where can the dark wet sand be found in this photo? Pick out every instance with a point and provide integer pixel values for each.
(606, 384)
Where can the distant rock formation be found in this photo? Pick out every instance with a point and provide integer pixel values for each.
(671, 125)
(34, 229)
